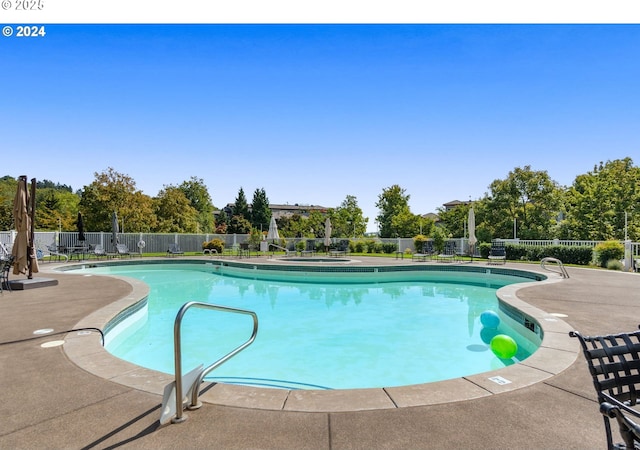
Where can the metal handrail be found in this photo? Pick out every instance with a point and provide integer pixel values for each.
(178, 354)
(562, 271)
(286, 250)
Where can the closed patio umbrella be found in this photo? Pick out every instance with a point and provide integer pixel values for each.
(80, 224)
(22, 250)
(273, 234)
(115, 229)
(327, 234)
(472, 231)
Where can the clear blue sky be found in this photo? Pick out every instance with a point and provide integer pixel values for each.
(313, 113)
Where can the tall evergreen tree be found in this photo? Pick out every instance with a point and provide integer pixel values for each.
(260, 211)
(241, 207)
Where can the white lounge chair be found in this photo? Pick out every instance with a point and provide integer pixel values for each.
(174, 249)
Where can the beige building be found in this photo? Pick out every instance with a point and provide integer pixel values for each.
(279, 211)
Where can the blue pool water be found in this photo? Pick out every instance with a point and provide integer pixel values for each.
(323, 335)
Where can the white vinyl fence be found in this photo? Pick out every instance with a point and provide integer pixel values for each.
(159, 242)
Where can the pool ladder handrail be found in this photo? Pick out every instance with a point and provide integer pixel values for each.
(561, 270)
(287, 251)
(195, 389)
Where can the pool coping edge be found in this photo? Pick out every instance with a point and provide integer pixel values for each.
(557, 352)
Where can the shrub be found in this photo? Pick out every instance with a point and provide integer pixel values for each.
(614, 264)
(439, 238)
(580, 255)
(484, 248)
(301, 245)
(389, 247)
(370, 245)
(606, 251)
(358, 247)
(214, 244)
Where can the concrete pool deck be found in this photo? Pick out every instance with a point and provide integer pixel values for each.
(50, 401)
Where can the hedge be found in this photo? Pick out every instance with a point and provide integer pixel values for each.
(567, 254)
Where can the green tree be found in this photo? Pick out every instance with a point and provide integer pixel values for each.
(174, 212)
(294, 225)
(348, 218)
(238, 225)
(454, 219)
(391, 203)
(315, 223)
(112, 191)
(8, 187)
(260, 211)
(199, 198)
(48, 184)
(140, 217)
(221, 222)
(56, 209)
(241, 207)
(56, 205)
(598, 200)
(426, 226)
(405, 223)
(530, 198)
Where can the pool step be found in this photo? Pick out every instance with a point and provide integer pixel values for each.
(265, 382)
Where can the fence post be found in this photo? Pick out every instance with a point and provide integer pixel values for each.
(628, 263)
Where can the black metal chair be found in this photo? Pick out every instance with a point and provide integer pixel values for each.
(497, 253)
(5, 266)
(342, 249)
(614, 364)
(244, 250)
(426, 252)
(450, 252)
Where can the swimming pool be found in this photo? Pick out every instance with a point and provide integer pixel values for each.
(379, 333)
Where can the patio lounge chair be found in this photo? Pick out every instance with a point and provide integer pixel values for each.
(498, 253)
(310, 248)
(426, 252)
(123, 250)
(99, 251)
(174, 249)
(613, 362)
(449, 253)
(341, 250)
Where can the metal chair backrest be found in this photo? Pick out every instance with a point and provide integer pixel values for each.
(497, 249)
(614, 365)
(450, 248)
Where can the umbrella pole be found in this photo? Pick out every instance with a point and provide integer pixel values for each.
(31, 209)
